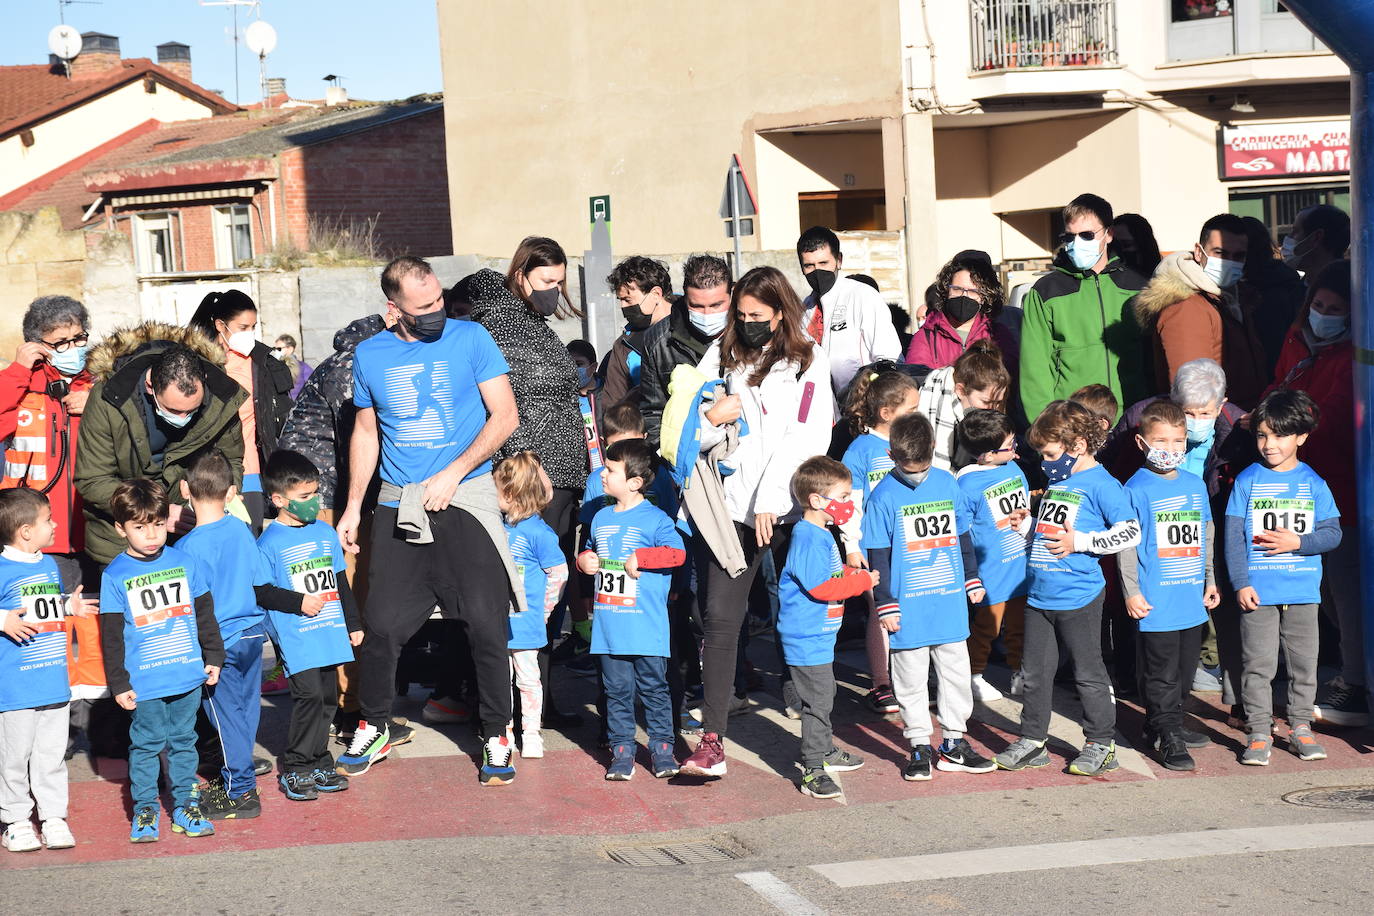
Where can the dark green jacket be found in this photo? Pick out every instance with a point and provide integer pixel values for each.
(1079, 329)
(114, 444)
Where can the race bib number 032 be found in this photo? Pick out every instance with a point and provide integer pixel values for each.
(614, 586)
(159, 596)
(928, 526)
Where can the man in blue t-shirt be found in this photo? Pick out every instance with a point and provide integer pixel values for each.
(434, 402)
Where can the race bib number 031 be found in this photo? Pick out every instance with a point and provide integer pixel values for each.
(928, 526)
(316, 577)
(614, 586)
(1178, 534)
(1058, 512)
(159, 596)
(1004, 499)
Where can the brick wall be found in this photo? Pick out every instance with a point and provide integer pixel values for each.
(195, 238)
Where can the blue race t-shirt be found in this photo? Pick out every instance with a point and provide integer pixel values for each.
(534, 549)
(630, 615)
(1090, 500)
(868, 463)
(1295, 500)
(921, 526)
(156, 599)
(1172, 553)
(308, 560)
(996, 491)
(33, 673)
(229, 557)
(662, 493)
(807, 625)
(428, 407)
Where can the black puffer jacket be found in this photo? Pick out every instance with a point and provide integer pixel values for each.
(543, 377)
(272, 384)
(666, 345)
(321, 422)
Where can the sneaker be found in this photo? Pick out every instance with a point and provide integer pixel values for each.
(145, 827)
(882, 701)
(817, 783)
(328, 781)
(298, 786)
(622, 763)
(1094, 760)
(1022, 753)
(1256, 752)
(261, 766)
(983, 692)
(220, 806)
(708, 759)
(918, 768)
(737, 706)
(190, 820)
(400, 733)
(688, 724)
(496, 766)
(1304, 745)
(959, 757)
(1346, 705)
(664, 763)
(1173, 753)
(445, 711)
(19, 837)
(570, 648)
(1207, 680)
(57, 835)
(838, 761)
(531, 745)
(1191, 739)
(791, 712)
(274, 682)
(367, 747)
(1018, 684)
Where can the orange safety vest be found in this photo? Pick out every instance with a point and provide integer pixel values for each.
(33, 457)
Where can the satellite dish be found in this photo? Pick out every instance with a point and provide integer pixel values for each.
(260, 37)
(64, 42)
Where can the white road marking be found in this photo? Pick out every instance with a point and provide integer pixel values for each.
(779, 893)
(1109, 851)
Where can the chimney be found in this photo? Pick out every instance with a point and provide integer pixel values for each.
(99, 54)
(175, 56)
(276, 85)
(335, 95)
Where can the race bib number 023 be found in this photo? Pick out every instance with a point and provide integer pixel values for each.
(159, 596)
(1178, 534)
(928, 526)
(1004, 499)
(614, 586)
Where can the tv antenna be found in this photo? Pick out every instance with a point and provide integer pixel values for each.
(62, 8)
(255, 5)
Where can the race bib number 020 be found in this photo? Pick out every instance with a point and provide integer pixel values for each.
(614, 586)
(316, 577)
(1004, 499)
(928, 526)
(1178, 534)
(159, 596)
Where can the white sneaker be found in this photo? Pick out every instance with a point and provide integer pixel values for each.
(1018, 683)
(57, 835)
(983, 692)
(737, 706)
(532, 747)
(19, 837)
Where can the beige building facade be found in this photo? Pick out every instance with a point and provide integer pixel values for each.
(954, 123)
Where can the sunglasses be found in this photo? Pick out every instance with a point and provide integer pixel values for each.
(1086, 235)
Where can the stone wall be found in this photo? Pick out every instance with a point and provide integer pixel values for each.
(36, 258)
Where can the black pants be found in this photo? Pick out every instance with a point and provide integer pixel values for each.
(460, 570)
(727, 601)
(1166, 662)
(314, 697)
(560, 515)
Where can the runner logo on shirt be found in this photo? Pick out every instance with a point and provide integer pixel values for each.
(929, 526)
(614, 586)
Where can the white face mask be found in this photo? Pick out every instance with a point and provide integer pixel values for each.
(711, 323)
(241, 342)
(1084, 254)
(1289, 251)
(1326, 327)
(1224, 273)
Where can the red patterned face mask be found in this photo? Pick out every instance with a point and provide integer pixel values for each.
(841, 512)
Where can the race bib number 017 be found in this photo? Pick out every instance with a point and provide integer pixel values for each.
(1058, 512)
(1178, 534)
(1004, 499)
(928, 526)
(614, 586)
(159, 596)
(316, 577)
(42, 603)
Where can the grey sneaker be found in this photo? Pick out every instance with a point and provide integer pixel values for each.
(1304, 745)
(1094, 760)
(1023, 753)
(838, 761)
(1257, 749)
(817, 783)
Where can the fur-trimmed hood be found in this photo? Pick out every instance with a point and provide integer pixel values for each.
(1177, 277)
(109, 356)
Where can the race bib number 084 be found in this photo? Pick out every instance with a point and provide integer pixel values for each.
(1178, 534)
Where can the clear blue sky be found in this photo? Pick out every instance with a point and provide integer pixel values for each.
(383, 49)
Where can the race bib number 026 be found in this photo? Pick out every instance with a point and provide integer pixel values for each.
(1178, 534)
(614, 586)
(159, 596)
(1058, 512)
(927, 526)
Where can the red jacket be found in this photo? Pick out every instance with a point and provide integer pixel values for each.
(18, 383)
(1329, 380)
(936, 344)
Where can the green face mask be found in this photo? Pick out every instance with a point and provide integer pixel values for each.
(307, 510)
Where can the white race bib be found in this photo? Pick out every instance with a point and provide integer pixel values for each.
(159, 596)
(927, 526)
(1004, 499)
(614, 586)
(1178, 533)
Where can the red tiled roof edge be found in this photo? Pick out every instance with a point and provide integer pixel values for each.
(16, 197)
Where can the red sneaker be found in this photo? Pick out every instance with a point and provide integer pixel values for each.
(708, 759)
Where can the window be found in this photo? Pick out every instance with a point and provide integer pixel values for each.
(233, 236)
(153, 243)
(843, 211)
(1278, 207)
(1184, 10)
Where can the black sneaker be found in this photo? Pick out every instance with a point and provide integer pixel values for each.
(1346, 705)
(329, 780)
(918, 768)
(882, 701)
(261, 766)
(219, 806)
(400, 734)
(817, 783)
(570, 648)
(959, 757)
(1173, 753)
(1190, 738)
(298, 787)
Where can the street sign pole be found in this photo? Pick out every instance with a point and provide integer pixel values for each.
(734, 210)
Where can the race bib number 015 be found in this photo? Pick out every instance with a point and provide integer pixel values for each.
(1004, 499)
(159, 596)
(316, 577)
(614, 586)
(1297, 515)
(928, 526)
(1178, 534)
(1058, 512)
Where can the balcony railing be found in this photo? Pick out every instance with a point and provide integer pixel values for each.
(1023, 34)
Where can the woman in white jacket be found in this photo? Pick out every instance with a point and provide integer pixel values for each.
(780, 384)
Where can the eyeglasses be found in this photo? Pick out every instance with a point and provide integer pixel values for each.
(1015, 444)
(1086, 235)
(972, 292)
(62, 346)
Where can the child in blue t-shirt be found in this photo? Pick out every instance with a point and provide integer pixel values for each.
(34, 692)
(1279, 520)
(875, 400)
(161, 643)
(538, 559)
(228, 554)
(985, 447)
(1168, 580)
(631, 549)
(1083, 515)
(313, 619)
(812, 590)
(916, 532)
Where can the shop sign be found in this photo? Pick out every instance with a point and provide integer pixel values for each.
(1300, 148)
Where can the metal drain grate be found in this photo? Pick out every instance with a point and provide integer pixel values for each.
(1346, 798)
(681, 854)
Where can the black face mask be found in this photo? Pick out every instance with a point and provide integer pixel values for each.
(961, 309)
(427, 326)
(545, 301)
(635, 318)
(756, 333)
(821, 281)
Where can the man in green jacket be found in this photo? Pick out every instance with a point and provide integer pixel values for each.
(1079, 327)
(160, 400)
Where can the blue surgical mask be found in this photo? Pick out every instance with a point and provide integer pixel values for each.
(176, 421)
(1327, 327)
(1200, 430)
(1224, 273)
(69, 361)
(584, 376)
(1059, 469)
(708, 324)
(1084, 253)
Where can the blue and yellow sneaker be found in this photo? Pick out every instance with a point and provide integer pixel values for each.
(190, 820)
(496, 766)
(368, 746)
(145, 825)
